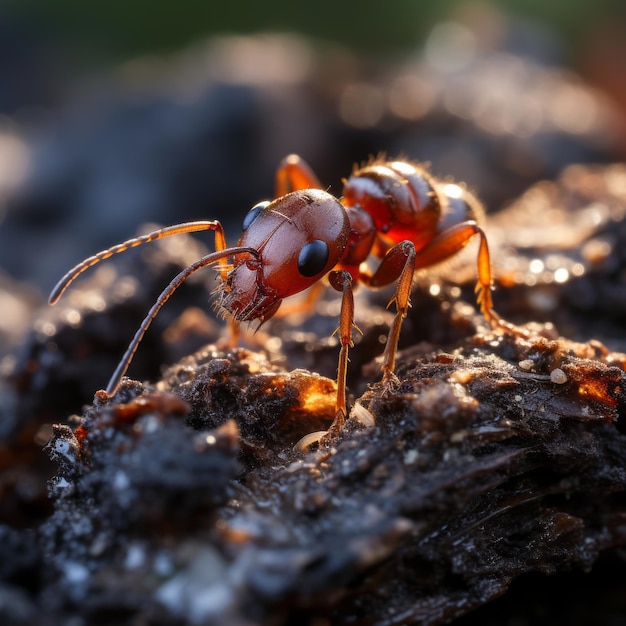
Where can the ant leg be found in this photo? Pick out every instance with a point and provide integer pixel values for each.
(177, 229)
(398, 264)
(232, 334)
(453, 240)
(294, 174)
(217, 256)
(341, 280)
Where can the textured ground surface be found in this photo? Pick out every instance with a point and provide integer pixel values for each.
(493, 473)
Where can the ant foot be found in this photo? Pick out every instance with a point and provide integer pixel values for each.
(335, 428)
(498, 323)
(390, 382)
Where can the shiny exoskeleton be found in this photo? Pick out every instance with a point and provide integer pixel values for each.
(391, 211)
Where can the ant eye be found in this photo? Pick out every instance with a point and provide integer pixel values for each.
(313, 258)
(252, 213)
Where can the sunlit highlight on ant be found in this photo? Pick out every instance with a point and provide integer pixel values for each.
(392, 211)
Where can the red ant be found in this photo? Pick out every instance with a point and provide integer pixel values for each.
(391, 210)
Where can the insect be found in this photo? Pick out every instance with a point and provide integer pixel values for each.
(392, 211)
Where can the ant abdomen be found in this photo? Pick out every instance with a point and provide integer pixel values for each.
(407, 202)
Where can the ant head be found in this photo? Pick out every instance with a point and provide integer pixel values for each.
(299, 237)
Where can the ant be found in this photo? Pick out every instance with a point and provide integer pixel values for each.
(393, 211)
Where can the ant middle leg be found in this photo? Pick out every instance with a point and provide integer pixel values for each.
(398, 264)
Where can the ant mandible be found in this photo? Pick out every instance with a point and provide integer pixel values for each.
(390, 210)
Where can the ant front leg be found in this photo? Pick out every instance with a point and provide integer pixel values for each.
(341, 280)
(294, 174)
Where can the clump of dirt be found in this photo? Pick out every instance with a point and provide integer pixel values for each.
(494, 458)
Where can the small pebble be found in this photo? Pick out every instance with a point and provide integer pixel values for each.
(558, 376)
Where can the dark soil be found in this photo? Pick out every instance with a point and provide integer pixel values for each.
(487, 486)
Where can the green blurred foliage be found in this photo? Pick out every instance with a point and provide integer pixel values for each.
(121, 28)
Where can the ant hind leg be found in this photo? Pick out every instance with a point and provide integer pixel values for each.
(294, 174)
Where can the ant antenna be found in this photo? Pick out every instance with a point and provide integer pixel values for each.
(114, 383)
(186, 227)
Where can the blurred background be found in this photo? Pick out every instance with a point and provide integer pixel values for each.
(82, 37)
(119, 114)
